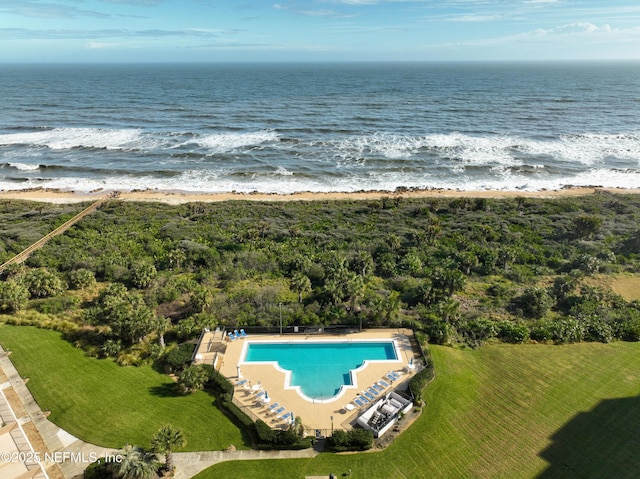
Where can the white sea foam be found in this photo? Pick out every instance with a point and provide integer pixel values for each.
(588, 149)
(67, 138)
(224, 142)
(220, 181)
(385, 144)
(24, 166)
(282, 171)
(452, 161)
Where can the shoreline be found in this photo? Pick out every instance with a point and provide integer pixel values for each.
(45, 195)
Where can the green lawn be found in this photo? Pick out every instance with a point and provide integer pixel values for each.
(507, 411)
(110, 405)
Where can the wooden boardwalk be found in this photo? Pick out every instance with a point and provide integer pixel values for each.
(22, 256)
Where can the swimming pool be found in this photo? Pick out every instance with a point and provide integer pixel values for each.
(320, 370)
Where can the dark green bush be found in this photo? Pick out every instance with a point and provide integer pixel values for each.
(98, 470)
(354, 440)
(513, 332)
(217, 382)
(278, 439)
(264, 432)
(81, 278)
(178, 358)
(419, 381)
(237, 415)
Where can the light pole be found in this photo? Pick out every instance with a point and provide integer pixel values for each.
(280, 305)
(331, 425)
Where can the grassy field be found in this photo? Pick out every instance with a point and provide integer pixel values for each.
(109, 405)
(626, 285)
(512, 411)
(508, 411)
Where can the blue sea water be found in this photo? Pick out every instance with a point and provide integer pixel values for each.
(286, 128)
(320, 369)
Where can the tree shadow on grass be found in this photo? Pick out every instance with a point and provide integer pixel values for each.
(166, 390)
(603, 442)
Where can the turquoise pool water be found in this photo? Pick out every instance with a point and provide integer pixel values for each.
(320, 368)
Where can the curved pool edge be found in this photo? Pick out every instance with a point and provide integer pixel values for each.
(353, 373)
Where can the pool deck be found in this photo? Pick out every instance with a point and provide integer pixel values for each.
(314, 415)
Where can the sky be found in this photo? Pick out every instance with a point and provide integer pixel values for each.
(46, 31)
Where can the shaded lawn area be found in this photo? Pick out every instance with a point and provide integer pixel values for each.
(509, 411)
(110, 405)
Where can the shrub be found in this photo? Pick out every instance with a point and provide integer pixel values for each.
(419, 381)
(82, 278)
(13, 296)
(586, 226)
(192, 379)
(239, 417)
(217, 381)
(192, 326)
(111, 347)
(98, 470)
(179, 358)
(513, 332)
(438, 331)
(142, 274)
(42, 283)
(264, 432)
(479, 330)
(535, 302)
(354, 440)
(128, 359)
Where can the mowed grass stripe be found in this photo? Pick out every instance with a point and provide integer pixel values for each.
(110, 405)
(499, 411)
(508, 411)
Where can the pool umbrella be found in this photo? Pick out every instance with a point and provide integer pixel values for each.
(411, 366)
(239, 372)
(266, 399)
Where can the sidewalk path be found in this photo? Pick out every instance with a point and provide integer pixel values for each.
(57, 440)
(188, 464)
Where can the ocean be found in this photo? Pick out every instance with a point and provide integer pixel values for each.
(284, 128)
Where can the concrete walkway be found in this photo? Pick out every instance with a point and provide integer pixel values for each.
(74, 454)
(188, 464)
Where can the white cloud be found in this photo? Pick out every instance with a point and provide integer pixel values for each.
(577, 28)
(473, 18)
(312, 13)
(561, 36)
(46, 9)
(33, 34)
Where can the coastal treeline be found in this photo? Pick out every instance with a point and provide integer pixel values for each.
(132, 276)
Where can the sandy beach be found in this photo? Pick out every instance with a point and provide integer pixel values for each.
(181, 197)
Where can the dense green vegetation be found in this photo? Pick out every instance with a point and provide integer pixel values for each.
(460, 270)
(137, 282)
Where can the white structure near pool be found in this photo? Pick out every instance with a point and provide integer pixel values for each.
(327, 381)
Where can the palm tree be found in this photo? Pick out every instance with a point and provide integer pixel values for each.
(165, 440)
(135, 463)
(301, 284)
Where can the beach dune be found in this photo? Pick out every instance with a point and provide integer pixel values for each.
(180, 197)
